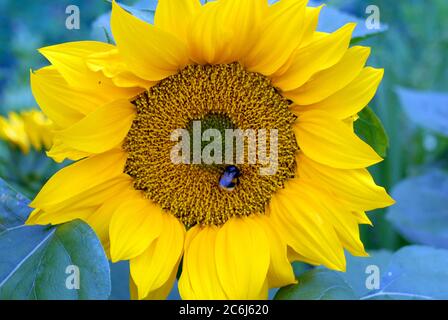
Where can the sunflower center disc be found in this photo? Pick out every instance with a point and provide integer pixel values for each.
(219, 97)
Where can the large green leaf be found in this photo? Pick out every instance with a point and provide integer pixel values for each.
(37, 262)
(356, 275)
(119, 273)
(371, 130)
(330, 286)
(13, 207)
(421, 211)
(426, 109)
(413, 272)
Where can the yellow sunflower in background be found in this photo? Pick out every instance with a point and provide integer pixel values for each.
(26, 130)
(232, 64)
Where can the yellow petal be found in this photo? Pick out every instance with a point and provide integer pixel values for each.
(186, 290)
(352, 98)
(101, 130)
(281, 34)
(70, 60)
(242, 258)
(329, 81)
(309, 32)
(157, 294)
(62, 104)
(79, 177)
(113, 66)
(302, 223)
(152, 269)
(150, 52)
(99, 221)
(127, 79)
(329, 141)
(280, 271)
(174, 16)
(84, 204)
(319, 55)
(207, 41)
(355, 187)
(310, 25)
(59, 152)
(344, 223)
(347, 228)
(199, 278)
(224, 31)
(134, 226)
(362, 217)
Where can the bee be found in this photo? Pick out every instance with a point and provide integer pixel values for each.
(229, 179)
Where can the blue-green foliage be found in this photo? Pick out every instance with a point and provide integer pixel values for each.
(413, 272)
(36, 261)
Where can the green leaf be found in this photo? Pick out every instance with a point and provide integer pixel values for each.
(371, 130)
(119, 273)
(421, 211)
(413, 272)
(37, 267)
(35, 261)
(317, 284)
(300, 267)
(426, 109)
(13, 207)
(356, 275)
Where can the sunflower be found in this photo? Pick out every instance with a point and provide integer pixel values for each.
(229, 64)
(26, 130)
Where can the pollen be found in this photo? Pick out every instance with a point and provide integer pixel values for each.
(223, 97)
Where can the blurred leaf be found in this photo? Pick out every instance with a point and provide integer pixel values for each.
(143, 10)
(371, 130)
(317, 284)
(426, 109)
(101, 30)
(413, 272)
(34, 259)
(26, 173)
(119, 273)
(421, 211)
(356, 270)
(37, 267)
(143, 13)
(300, 267)
(13, 207)
(332, 19)
(325, 284)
